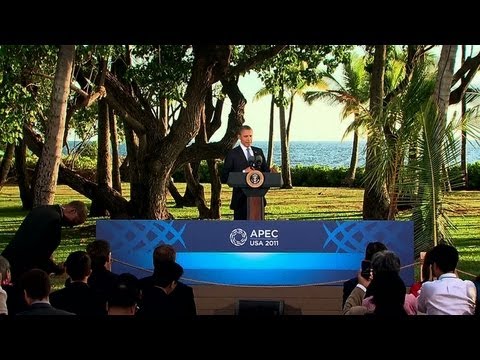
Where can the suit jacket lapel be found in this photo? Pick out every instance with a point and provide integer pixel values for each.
(241, 154)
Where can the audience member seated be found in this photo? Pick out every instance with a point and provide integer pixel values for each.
(382, 262)
(78, 297)
(124, 296)
(101, 280)
(448, 295)
(385, 268)
(3, 299)
(425, 274)
(36, 286)
(183, 296)
(156, 299)
(477, 286)
(15, 299)
(371, 249)
(389, 297)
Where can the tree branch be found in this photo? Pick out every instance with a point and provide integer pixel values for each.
(469, 64)
(467, 73)
(261, 56)
(119, 97)
(72, 85)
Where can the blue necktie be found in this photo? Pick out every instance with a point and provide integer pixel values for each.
(249, 153)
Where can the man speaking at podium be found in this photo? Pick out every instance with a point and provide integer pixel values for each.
(243, 158)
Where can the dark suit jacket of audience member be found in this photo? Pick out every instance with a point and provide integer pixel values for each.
(102, 281)
(15, 299)
(79, 299)
(236, 161)
(182, 297)
(43, 309)
(155, 302)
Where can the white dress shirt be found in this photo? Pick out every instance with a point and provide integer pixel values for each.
(448, 295)
(246, 151)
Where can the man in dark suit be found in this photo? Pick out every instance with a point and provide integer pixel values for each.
(39, 236)
(182, 295)
(243, 158)
(102, 280)
(77, 297)
(36, 285)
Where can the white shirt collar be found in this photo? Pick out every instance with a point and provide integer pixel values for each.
(244, 148)
(447, 275)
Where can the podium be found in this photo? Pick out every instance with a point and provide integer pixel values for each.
(255, 185)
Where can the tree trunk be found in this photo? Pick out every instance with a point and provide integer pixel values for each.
(125, 170)
(194, 194)
(216, 190)
(44, 192)
(116, 178)
(132, 143)
(189, 198)
(350, 178)
(463, 156)
(6, 164)
(286, 172)
(443, 84)
(172, 189)
(197, 191)
(270, 133)
(375, 198)
(164, 114)
(163, 151)
(104, 161)
(23, 179)
(290, 114)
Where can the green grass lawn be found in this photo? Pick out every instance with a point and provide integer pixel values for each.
(300, 203)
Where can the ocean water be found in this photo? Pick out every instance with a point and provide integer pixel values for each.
(332, 153)
(328, 153)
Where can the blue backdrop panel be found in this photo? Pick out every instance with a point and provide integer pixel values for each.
(256, 252)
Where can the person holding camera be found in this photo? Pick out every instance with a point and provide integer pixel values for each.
(371, 249)
(386, 286)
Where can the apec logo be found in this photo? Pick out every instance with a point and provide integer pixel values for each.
(260, 237)
(238, 237)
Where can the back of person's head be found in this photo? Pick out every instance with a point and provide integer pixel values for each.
(167, 272)
(36, 284)
(81, 210)
(99, 252)
(372, 248)
(125, 291)
(389, 295)
(163, 253)
(445, 256)
(384, 261)
(4, 270)
(78, 265)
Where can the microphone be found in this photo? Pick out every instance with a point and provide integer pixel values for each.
(251, 161)
(258, 161)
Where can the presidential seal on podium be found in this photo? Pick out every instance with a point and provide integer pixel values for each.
(255, 179)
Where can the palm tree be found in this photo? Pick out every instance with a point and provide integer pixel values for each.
(418, 121)
(353, 95)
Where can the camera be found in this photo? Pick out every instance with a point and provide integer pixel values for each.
(366, 269)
